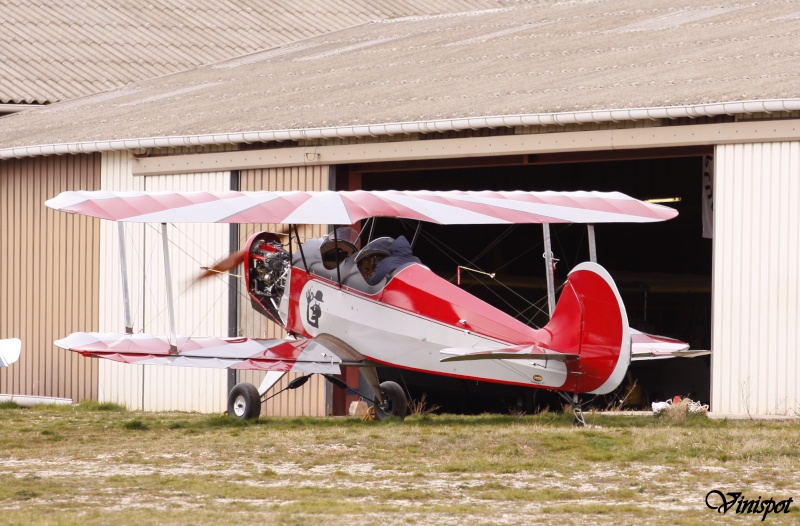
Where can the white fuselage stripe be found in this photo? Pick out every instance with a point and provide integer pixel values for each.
(407, 340)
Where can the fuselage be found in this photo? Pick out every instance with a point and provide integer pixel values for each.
(412, 315)
(408, 320)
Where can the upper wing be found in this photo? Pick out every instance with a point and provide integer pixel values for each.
(304, 356)
(650, 347)
(346, 208)
(9, 351)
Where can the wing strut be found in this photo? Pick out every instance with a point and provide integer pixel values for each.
(299, 244)
(592, 244)
(548, 263)
(548, 257)
(168, 282)
(123, 267)
(416, 233)
(336, 254)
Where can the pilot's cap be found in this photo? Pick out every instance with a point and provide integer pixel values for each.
(376, 247)
(346, 234)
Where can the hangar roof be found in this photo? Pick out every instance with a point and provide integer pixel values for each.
(55, 50)
(523, 63)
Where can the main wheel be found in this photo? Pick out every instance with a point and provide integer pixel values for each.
(394, 403)
(244, 401)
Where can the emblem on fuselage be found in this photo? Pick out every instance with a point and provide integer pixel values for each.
(537, 378)
(313, 309)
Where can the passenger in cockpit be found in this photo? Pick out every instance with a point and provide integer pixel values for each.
(383, 256)
(335, 248)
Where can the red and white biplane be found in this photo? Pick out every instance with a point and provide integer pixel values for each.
(378, 306)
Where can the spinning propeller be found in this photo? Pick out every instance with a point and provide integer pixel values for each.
(223, 266)
(231, 261)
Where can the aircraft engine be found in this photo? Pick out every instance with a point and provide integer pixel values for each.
(267, 267)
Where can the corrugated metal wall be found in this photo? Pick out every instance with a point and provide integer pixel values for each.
(756, 281)
(201, 309)
(48, 275)
(309, 400)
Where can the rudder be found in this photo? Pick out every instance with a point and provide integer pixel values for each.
(590, 320)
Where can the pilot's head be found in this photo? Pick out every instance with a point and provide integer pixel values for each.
(334, 249)
(369, 256)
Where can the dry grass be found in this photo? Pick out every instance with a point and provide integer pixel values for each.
(421, 407)
(83, 465)
(682, 410)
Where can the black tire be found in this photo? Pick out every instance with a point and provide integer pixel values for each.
(395, 402)
(244, 402)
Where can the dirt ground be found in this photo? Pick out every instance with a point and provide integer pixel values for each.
(59, 467)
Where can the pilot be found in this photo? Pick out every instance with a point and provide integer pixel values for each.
(372, 254)
(383, 256)
(334, 249)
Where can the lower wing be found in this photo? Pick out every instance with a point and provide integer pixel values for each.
(301, 356)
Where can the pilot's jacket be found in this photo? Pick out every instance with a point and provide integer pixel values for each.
(400, 254)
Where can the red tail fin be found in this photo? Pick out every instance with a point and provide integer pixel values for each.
(590, 321)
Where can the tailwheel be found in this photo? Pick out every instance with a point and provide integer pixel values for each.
(244, 402)
(394, 403)
(578, 420)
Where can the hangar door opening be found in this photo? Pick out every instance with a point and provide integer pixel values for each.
(663, 270)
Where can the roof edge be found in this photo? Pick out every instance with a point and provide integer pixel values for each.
(7, 108)
(402, 128)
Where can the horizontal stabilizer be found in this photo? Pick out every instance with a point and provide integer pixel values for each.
(675, 354)
(514, 352)
(9, 351)
(651, 347)
(305, 356)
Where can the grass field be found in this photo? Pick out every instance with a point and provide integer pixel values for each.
(99, 464)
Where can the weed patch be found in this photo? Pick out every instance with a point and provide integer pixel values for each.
(89, 405)
(136, 425)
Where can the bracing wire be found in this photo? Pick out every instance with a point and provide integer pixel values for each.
(538, 307)
(159, 315)
(173, 241)
(448, 251)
